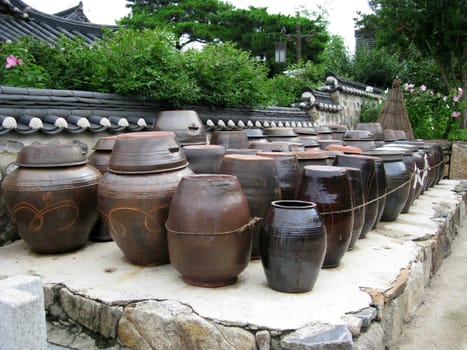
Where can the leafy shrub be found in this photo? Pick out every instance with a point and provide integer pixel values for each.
(285, 88)
(370, 111)
(225, 75)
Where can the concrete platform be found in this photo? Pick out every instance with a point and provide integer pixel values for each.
(376, 272)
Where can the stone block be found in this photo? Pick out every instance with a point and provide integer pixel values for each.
(367, 316)
(168, 325)
(458, 164)
(98, 317)
(22, 321)
(319, 337)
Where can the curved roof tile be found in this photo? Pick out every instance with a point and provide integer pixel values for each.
(17, 19)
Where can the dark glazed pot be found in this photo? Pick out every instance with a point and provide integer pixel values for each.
(293, 246)
(398, 183)
(329, 187)
(358, 204)
(208, 230)
(51, 197)
(382, 186)
(360, 138)
(204, 159)
(410, 164)
(230, 139)
(313, 157)
(134, 206)
(438, 155)
(260, 183)
(288, 172)
(375, 128)
(367, 167)
(185, 124)
(278, 146)
(100, 160)
(283, 134)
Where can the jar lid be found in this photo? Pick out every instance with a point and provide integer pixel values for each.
(146, 152)
(105, 143)
(50, 155)
(358, 135)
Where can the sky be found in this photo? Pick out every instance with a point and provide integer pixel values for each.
(341, 12)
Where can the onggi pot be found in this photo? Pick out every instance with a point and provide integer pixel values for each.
(208, 230)
(329, 187)
(293, 245)
(134, 194)
(51, 197)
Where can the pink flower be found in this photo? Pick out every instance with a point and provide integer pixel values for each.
(461, 91)
(456, 114)
(423, 88)
(12, 61)
(456, 98)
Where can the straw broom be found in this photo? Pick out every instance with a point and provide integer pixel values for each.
(394, 115)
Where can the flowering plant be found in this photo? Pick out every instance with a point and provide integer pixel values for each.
(434, 115)
(23, 73)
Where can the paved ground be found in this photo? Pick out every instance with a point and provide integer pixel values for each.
(441, 321)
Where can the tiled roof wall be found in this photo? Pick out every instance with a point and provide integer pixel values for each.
(26, 111)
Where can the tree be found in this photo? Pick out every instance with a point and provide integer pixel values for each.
(250, 29)
(436, 28)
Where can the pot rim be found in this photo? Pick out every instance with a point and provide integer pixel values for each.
(293, 204)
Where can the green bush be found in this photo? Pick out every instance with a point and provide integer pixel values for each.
(370, 111)
(226, 76)
(139, 63)
(285, 88)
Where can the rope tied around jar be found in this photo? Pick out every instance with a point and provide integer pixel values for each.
(240, 230)
(414, 174)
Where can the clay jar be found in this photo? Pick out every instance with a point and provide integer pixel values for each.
(260, 183)
(134, 195)
(376, 129)
(398, 183)
(367, 167)
(288, 172)
(358, 201)
(204, 159)
(99, 158)
(293, 245)
(410, 164)
(185, 124)
(281, 134)
(329, 187)
(360, 138)
(230, 138)
(208, 230)
(382, 186)
(51, 197)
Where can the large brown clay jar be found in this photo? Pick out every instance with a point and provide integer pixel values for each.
(208, 230)
(329, 187)
(293, 245)
(288, 172)
(51, 197)
(99, 158)
(260, 182)
(135, 193)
